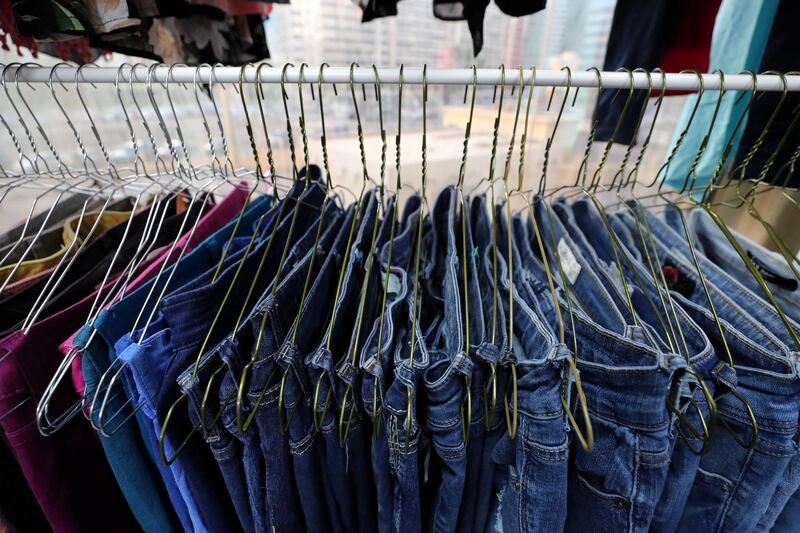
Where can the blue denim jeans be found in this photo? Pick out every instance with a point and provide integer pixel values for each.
(711, 242)
(534, 498)
(304, 442)
(129, 455)
(490, 478)
(446, 379)
(329, 366)
(252, 458)
(177, 333)
(476, 336)
(226, 450)
(619, 483)
(786, 522)
(377, 355)
(117, 321)
(734, 485)
(405, 441)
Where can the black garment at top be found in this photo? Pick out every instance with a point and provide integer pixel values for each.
(638, 39)
(779, 55)
(474, 11)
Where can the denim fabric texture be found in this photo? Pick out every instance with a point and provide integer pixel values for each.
(408, 363)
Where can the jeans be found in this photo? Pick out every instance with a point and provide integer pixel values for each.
(787, 520)
(447, 376)
(226, 450)
(535, 495)
(278, 302)
(251, 456)
(710, 240)
(734, 485)
(619, 483)
(178, 332)
(304, 443)
(488, 353)
(377, 355)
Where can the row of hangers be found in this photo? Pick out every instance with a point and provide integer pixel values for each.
(182, 175)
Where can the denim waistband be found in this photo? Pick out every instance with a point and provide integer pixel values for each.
(582, 282)
(496, 329)
(754, 316)
(755, 344)
(618, 372)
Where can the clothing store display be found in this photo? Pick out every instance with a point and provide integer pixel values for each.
(289, 294)
(245, 342)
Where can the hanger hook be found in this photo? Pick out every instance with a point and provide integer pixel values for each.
(549, 143)
(496, 130)
(580, 178)
(468, 128)
(399, 127)
(646, 143)
(323, 137)
(682, 135)
(598, 173)
(621, 172)
(289, 135)
(260, 95)
(301, 79)
(362, 151)
(523, 140)
(692, 174)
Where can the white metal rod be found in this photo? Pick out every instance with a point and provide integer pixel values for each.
(31, 73)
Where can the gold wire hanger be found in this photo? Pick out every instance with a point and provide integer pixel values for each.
(585, 437)
(244, 424)
(280, 207)
(344, 428)
(650, 247)
(667, 327)
(466, 405)
(749, 198)
(664, 294)
(318, 422)
(376, 411)
(705, 204)
(416, 302)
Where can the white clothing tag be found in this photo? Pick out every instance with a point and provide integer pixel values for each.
(568, 262)
(392, 284)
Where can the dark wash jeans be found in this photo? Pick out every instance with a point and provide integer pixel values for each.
(488, 354)
(445, 380)
(684, 462)
(376, 360)
(226, 450)
(619, 483)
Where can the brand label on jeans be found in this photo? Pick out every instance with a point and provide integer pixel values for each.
(770, 276)
(568, 262)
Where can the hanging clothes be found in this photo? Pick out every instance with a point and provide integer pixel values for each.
(448, 405)
(740, 37)
(673, 36)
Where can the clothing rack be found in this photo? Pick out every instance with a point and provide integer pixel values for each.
(159, 315)
(30, 73)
